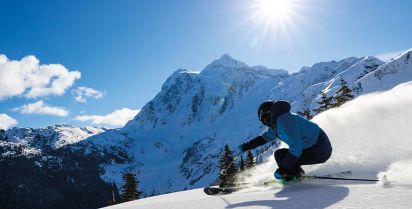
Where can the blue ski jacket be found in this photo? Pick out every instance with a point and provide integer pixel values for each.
(294, 130)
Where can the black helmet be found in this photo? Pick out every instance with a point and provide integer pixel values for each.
(270, 110)
(264, 112)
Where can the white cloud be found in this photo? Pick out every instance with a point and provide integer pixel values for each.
(26, 77)
(116, 118)
(41, 108)
(6, 121)
(81, 93)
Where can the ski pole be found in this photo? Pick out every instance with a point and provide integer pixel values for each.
(223, 172)
(336, 178)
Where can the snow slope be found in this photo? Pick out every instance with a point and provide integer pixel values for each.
(371, 136)
(308, 195)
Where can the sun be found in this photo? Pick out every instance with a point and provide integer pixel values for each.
(275, 21)
(274, 11)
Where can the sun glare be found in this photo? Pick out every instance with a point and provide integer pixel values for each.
(274, 10)
(275, 20)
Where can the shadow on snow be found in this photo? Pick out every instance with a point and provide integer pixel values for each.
(300, 196)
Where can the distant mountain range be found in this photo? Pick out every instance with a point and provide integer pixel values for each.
(175, 141)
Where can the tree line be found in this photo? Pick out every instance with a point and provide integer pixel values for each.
(343, 95)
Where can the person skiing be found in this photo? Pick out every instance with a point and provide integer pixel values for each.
(308, 143)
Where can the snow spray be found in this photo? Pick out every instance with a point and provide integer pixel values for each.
(372, 134)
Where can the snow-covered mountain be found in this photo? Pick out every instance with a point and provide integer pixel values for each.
(52, 137)
(370, 137)
(53, 166)
(179, 135)
(387, 75)
(175, 141)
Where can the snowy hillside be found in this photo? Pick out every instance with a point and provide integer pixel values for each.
(311, 195)
(370, 137)
(388, 75)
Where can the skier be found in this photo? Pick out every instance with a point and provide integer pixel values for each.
(308, 143)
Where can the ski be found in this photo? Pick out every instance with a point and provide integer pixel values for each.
(283, 182)
(335, 176)
(212, 190)
(339, 174)
(216, 190)
(305, 177)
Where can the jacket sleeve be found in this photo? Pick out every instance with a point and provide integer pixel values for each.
(270, 135)
(256, 142)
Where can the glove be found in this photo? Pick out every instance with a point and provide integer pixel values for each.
(241, 148)
(252, 144)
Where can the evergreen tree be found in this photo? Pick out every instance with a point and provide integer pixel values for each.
(343, 95)
(227, 167)
(242, 164)
(129, 191)
(250, 162)
(326, 103)
(305, 113)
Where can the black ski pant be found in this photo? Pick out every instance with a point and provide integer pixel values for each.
(318, 153)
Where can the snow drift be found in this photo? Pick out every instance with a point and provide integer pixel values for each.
(372, 133)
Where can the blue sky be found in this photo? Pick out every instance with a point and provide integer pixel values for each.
(125, 50)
